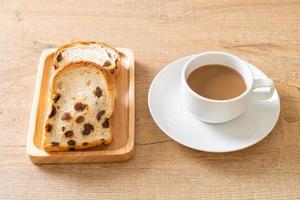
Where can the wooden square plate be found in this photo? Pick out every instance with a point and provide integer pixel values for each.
(122, 121)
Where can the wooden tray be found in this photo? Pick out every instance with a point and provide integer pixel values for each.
(122, 121)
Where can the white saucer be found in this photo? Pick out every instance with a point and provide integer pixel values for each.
(168, 113)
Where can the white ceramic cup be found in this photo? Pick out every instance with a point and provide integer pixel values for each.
(219, 111)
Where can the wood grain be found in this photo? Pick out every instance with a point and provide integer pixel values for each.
(265, 33)
(122, 121)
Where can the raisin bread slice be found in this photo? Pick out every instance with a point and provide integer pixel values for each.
(97, 52)
(81, 105)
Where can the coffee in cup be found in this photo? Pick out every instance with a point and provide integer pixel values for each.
(217, 86)
(216, 82)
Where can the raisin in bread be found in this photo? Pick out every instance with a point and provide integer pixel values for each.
(97, 52)
(81, 105)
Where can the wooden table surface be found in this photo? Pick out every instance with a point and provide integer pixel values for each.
(265, 33)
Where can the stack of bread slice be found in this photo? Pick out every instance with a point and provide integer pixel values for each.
(82, 96)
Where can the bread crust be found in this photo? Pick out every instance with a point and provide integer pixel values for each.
(113, 70)
(110, 90)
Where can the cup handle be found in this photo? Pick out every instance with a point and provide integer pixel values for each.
(262, 83)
